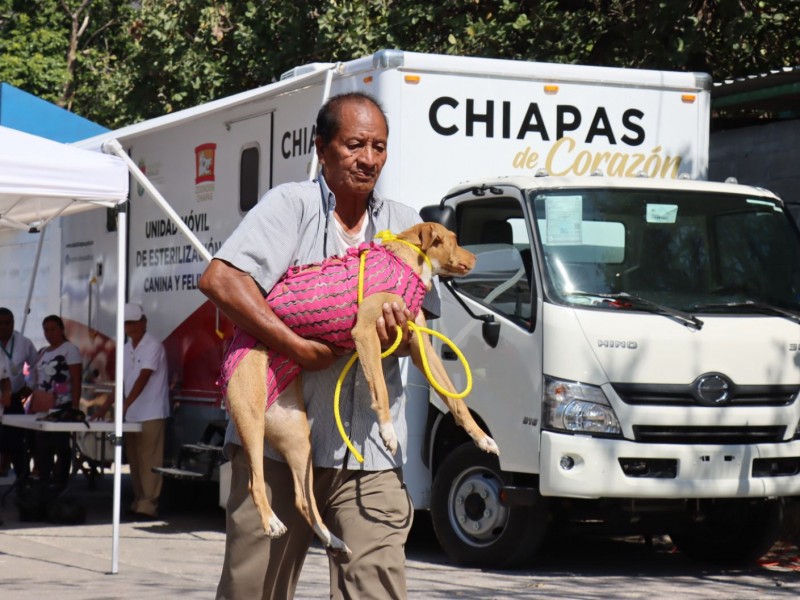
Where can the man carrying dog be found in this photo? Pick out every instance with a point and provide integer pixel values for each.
(366, 505)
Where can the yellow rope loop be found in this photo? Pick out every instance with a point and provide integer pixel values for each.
(390, 350)
(388, 236)
(337, 413)
(339, 382)
(337, 394)
(458, 395)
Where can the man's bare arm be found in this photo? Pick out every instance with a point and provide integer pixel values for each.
(237, 295)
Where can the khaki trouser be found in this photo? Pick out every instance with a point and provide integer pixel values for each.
(145, 450)
(370, 511)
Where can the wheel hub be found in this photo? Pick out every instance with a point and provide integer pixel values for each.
(476, 512)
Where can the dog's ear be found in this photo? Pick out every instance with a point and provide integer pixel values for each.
(412, 235)
(429, 235)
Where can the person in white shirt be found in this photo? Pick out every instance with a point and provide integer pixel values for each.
(146, 386)
(20, 354)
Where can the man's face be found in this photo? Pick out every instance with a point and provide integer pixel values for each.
(135, 329)
(354, 158)
(6, 327)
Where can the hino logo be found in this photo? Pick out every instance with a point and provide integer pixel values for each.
(630, 345)
(712, 389)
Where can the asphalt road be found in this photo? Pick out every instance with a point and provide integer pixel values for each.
(180, 556)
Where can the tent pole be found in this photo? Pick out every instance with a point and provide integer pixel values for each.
(33, 279)
(122, 263)
(114, 147)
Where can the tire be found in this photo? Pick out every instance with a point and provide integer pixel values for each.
(730, 532)
(471, 523)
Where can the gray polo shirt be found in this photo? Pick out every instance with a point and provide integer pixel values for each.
(292, 225)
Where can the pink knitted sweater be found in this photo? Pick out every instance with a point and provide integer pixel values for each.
(320, 301)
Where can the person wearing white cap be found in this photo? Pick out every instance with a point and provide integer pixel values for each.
(146, 401)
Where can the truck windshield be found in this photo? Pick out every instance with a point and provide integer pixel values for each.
(703, 253)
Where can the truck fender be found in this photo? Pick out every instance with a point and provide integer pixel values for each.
(442, 436)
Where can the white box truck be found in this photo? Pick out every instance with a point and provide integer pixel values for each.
(645, 371)
(634, 346)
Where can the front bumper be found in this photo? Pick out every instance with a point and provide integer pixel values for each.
(700, 471)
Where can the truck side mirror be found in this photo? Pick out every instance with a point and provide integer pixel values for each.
(490, 328)
(491, 332)
(444, 215)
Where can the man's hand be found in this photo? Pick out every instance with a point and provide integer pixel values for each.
(317, 356)
(100, 413)
(394, 316)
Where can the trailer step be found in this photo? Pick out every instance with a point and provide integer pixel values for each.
(201, 447)
(173, 473)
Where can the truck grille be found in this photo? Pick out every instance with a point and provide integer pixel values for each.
(656, 434)
(681, 395)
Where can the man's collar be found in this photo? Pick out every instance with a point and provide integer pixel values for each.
(328, 199)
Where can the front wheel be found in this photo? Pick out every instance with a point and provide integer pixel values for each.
(729, 531)
(472, 524)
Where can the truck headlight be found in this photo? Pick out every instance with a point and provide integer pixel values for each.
(578, 408)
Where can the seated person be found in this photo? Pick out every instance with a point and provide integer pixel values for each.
(56, 378)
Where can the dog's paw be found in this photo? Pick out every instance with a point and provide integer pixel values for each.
(339, 551)
(275, 527)
(487, 444)
(389, 437)
(333, 544)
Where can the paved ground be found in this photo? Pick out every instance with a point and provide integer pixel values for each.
(181, 555)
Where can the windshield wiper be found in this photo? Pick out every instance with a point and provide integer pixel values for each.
(682, 317)
(753, 306)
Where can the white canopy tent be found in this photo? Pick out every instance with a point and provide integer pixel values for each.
(41, 180)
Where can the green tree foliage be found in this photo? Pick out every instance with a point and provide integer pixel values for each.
(185, 52)
(33, 48)
(120, 61)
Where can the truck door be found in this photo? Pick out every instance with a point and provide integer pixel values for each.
(507, 379)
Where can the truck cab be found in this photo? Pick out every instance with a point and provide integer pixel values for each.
(645, 371)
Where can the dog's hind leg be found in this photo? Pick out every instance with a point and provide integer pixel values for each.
(456, 406)
(287, 432)
(246, 396)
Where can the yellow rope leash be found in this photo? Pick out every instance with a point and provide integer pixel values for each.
(457, 395)
(385, 236)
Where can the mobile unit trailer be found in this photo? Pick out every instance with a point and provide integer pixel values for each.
(451, 119)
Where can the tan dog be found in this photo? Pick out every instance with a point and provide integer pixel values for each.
(285, 425)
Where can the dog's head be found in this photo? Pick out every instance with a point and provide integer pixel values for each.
(440, 246)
